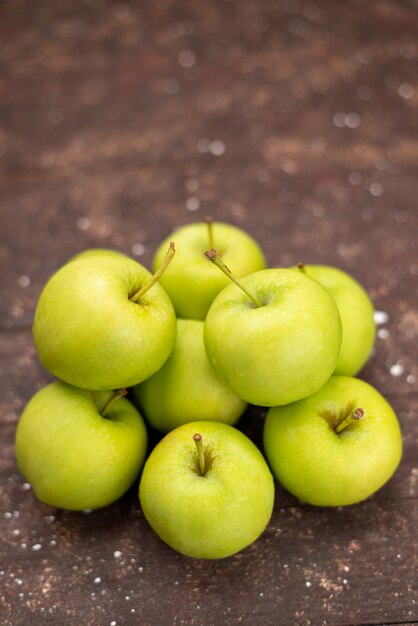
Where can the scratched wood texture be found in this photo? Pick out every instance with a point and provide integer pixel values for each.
(295, 120)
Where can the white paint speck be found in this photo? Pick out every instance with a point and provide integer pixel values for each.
(52, 543)
(36, 547)
(192, 203)
(355, 178)
(113, 623)
(26, 487)
(406, 91)
(410, 379)
(15, 532)
(376, 189)
(352, 120)
(345, 581)
(381, 317)
(396, 369)
(339, 119)
(217, 147)
(346, 120)
(23, 546)
(117, 554)
(187, 58)
(8, 515)
(383, 333)
(83, 223)
(97, 580)
(140, 570)
(308, 584)
(138, 249)
(23, 281)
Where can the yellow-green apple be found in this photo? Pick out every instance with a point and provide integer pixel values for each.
(206, 490)
(186, 388)
(357, 316)
(102, 322)
(80, 449)
(275, 338)
(190, 281)
(336, 447)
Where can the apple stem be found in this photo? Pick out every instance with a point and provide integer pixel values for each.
(354, 416)
(166, 261)
(119, 393)
(209, 222)
(301, 267)
(216, 259)
(200, 453)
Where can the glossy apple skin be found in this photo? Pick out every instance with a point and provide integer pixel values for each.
(280, 352)
(357, 316)
(191, 281)
(322, 467)
(186, 388)
(72, 456)
(89, 334)
(211, 516)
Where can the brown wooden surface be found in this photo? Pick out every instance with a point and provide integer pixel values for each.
(107, 110)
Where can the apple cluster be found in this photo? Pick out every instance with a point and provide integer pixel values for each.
(196, 343)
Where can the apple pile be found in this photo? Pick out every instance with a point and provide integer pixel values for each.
(291, 339)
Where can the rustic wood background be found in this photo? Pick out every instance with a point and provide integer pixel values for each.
(296, 120)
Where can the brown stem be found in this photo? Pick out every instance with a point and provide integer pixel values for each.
(354, 416)
(119, 393)
(216, 259)
(200, 453)
(166, 261)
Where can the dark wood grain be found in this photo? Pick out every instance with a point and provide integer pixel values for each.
(297, 121)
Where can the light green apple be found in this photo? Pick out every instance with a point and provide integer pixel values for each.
(78, 449)
(190, 281)
(357, 316)
(336, 447)
(90, 332)
(279, 350)
(186, 388)
(207, 499)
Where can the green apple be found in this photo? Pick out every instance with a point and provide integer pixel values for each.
(186, 388)
(336, 447)
(80, 449)
(357, 316)
(102, 322)
(276, 343)
(206, 490)
(190, 281)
